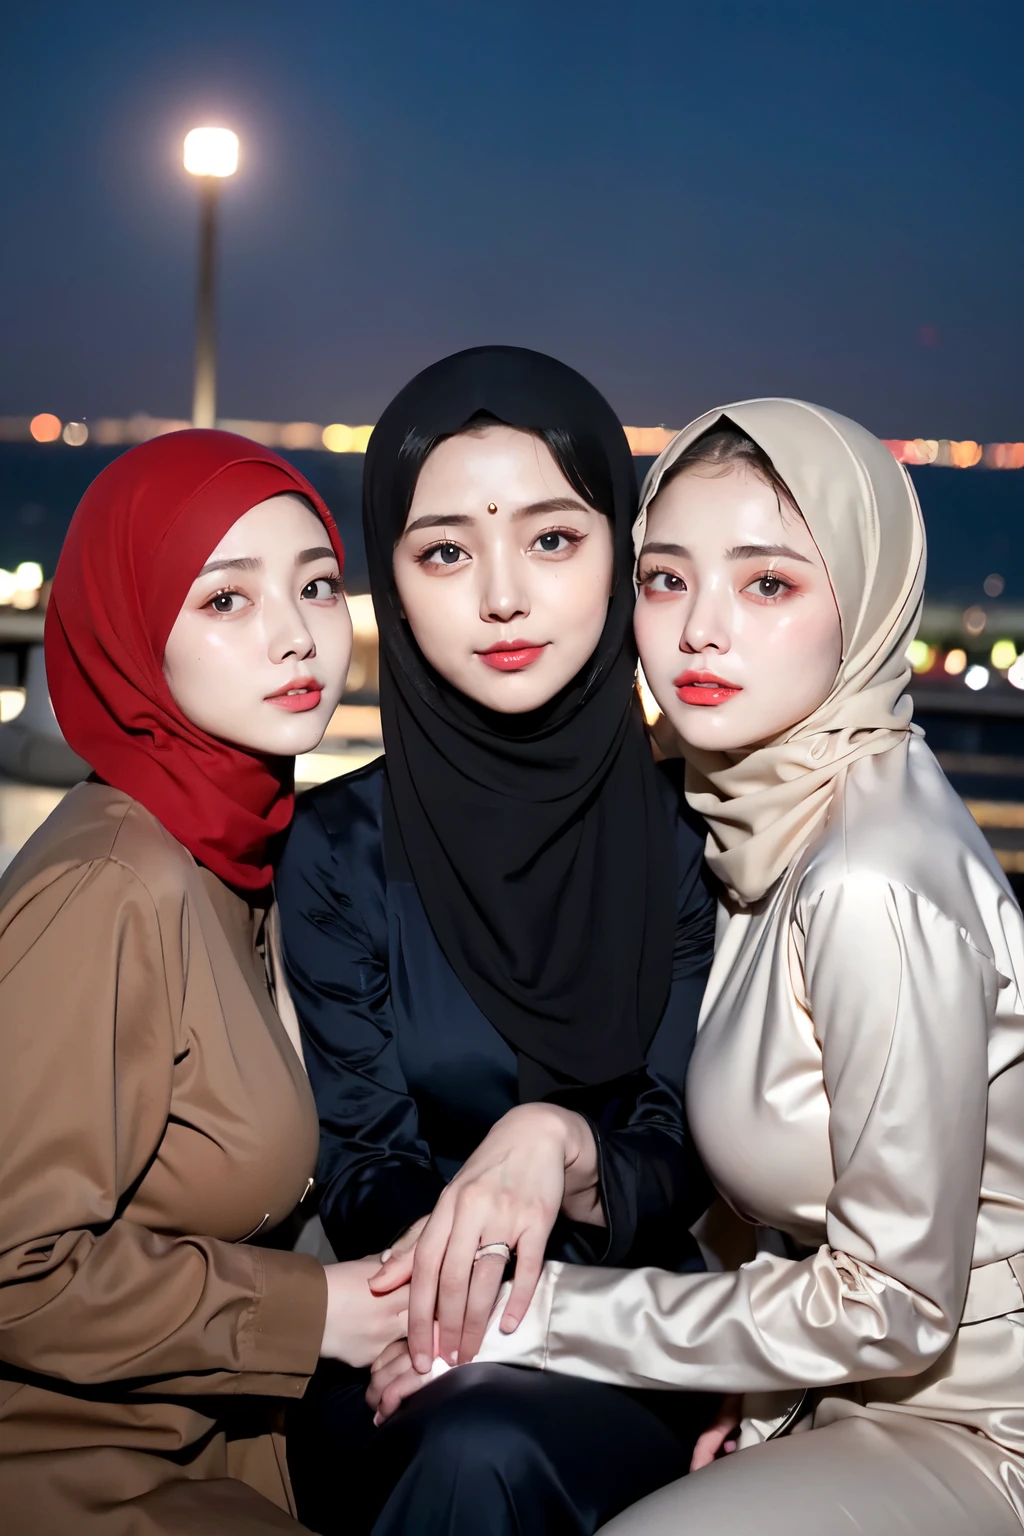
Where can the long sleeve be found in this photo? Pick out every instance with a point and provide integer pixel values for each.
(90, 997)
(375, 1171)
(900, 1002)
(652, 1185)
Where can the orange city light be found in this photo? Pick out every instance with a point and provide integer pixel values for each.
(45, 428)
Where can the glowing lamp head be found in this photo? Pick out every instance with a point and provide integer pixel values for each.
(211, 152)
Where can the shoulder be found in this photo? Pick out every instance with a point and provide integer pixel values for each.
(100, 847)
(95, 824)
(342, 806)
(335, 843)
(897, 825)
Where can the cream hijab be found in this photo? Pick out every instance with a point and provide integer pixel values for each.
(761, 806)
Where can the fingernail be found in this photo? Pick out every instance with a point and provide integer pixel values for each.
(453, 1357)
(422, 1363)
(508, 1325)
(376, 1421)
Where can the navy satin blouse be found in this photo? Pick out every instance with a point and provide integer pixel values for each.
(408, 1074)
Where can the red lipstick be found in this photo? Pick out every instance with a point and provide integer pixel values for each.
(304, 693)
(704, 688)
(512, 655)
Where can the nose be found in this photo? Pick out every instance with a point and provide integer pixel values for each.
(706, 625)
(503, 595)
(288, 636)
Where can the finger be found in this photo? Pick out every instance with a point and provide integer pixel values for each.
(488, 1273)
(430, 1251)
(454, 1282)
(703, 1452)
(383, 1378)
(396, 1392)
(395, 1271)
(529, 1263)
(392, 1352)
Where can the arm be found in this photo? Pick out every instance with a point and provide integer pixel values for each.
(901, 1003)
(87, 1296)
(375, 1172)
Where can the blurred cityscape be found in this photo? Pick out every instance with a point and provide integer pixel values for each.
(968, 660)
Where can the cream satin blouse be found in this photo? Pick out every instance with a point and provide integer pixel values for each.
(858, 1085)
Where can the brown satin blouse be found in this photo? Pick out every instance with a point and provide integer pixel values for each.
(153, 1116)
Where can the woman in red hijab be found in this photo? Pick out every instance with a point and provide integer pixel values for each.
(155, 1121)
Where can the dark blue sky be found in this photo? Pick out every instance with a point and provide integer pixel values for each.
(691, 202)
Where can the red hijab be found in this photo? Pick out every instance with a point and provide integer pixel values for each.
(140, 536)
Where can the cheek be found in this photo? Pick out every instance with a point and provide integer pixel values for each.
(792, 662)
(203, 662)
(657, 625)
(435, 609)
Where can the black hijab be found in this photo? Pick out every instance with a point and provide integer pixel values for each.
(539, 842)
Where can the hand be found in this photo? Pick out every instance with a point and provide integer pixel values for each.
(721, 1436)
(359, 1324)
(392, 1366)
(393, 1379)
(534, 1160)
(406, 1244)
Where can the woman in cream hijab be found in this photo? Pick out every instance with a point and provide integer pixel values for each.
(859, 1072)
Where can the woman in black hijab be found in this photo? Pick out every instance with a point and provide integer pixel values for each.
(497, 939)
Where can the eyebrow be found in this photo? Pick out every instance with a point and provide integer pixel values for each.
(738, 552)
(254, 563)
(532, 509)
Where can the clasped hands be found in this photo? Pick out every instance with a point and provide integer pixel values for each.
(539, 1160)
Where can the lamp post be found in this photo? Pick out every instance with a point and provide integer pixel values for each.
(210, 154)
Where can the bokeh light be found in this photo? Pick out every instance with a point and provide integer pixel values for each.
(45, 428)
(974, 620)
(1015, 676)
(1004, 654)
(338, 438)
(921, 655)
(976, 677)
(12, 702)
(995, 585)
(75, 434)
(955, 662)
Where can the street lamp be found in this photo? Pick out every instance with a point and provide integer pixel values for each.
(211, 154)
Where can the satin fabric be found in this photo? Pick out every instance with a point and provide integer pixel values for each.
(856, 1084)
(522, 831)
(408, 1074)
(138, 539)
(863, 514)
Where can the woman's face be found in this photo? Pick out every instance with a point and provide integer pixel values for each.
(259, 652)
(507, 605)
(736, 622)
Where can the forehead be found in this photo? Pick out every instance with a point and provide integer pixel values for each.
(280, 521)
(716, 509)
(493, 462)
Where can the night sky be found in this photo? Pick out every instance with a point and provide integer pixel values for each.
(691, 203)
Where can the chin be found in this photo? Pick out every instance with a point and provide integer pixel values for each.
(708, 729)
(289, 736)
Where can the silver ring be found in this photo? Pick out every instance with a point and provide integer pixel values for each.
(493, 1250)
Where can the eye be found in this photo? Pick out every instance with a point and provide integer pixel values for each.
(769, 587)
(445, 554)
(321, 589)
(663, 581)
(227, 602)
(557, 541)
